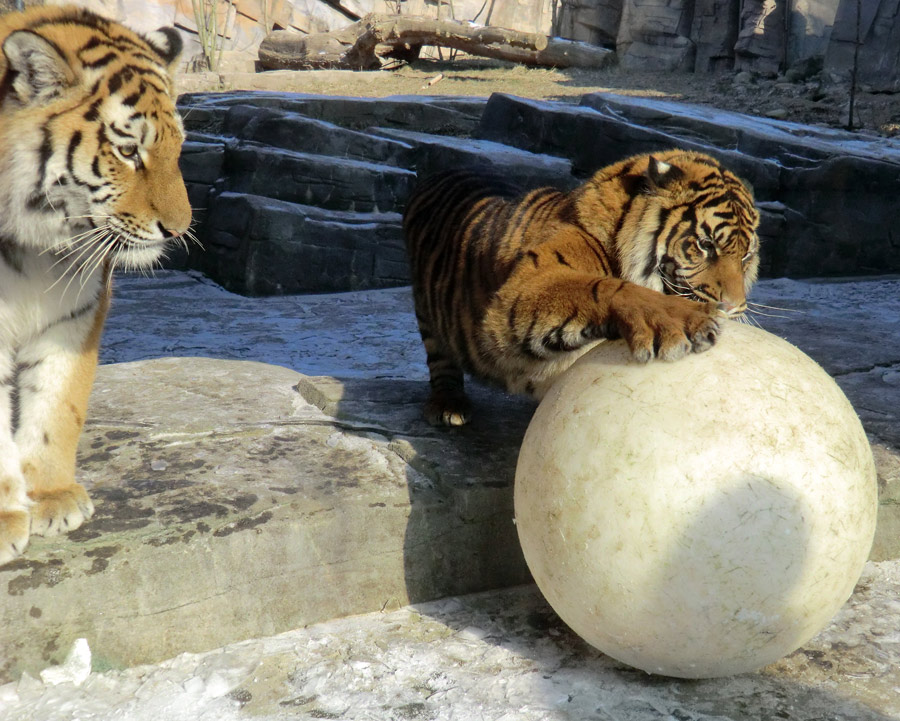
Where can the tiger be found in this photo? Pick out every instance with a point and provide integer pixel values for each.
(89, 182)
(513, 287)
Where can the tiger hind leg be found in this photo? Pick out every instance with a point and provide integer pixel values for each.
(448, 404)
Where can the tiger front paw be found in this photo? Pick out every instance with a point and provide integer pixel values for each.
(668, 327)
(448, 409)
(60, 510)
(13, 534)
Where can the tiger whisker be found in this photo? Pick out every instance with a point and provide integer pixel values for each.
(79, 265)
(74, 267)
(683, 290)
(775, 307)
(108, 247)
(89, 264)
(765, 315)
(81, 248)
(70, 242)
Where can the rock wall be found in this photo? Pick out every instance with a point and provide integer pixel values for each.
(305, 193)
(879, 51)
(765, 36)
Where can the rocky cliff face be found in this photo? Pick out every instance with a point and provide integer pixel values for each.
(764, 36)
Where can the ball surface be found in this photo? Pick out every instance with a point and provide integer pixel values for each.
(698, 518)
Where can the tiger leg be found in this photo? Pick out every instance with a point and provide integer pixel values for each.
(55, 378)
(14, 515)
(448, 404)
(545, 316)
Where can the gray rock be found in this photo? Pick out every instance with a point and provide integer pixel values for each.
(820, 190)
(202, 159)
(591, 21)
(329, 182)
(655, 35)
(453, 115)
(879, 34)
(260, 246)
(714, 32)
(293, 131)
(595, 135)
(230, 505)
(437, 152)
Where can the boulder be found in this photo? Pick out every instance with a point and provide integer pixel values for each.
(446, 115)
(432, 153)
(826, 196)
(714, 32)
(238, 500)
(879, 36)
(256, 245)
(655, 35)
(329, 182)
(590, 21)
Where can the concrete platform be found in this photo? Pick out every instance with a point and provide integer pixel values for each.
(241, 493)
(500, 656)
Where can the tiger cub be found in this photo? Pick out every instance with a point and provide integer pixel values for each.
(89, 181)
(513, 287)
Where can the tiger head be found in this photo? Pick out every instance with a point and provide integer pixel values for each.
(697, 229)
(89, 137)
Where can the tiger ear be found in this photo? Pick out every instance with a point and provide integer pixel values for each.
(168, 45)
(38, 69)
(661, 174)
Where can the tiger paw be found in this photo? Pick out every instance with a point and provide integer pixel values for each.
(668, 327)
(448, 409)
(13, 534)
(60, 510)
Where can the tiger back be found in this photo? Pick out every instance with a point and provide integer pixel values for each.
(89, 181)
(513, 287)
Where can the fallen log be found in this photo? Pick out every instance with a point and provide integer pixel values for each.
(354, 47)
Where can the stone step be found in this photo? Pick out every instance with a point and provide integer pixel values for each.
(311, 179)
(433, 153)
(592, 140)
(293, 131)
(259, 246)
(834, 192)
(428, 114)
(237, 499)
(793, 145)
(826, 197)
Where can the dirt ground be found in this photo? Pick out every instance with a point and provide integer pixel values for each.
(814, 99)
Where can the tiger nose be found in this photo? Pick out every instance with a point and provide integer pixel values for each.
(728, 308)
(166, 233)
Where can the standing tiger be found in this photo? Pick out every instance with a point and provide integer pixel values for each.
(89, 180)
(514, 287)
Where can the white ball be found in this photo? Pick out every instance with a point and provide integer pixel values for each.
(697, 518)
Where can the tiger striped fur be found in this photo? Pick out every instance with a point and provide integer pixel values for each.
(89, 180)
(513, 288)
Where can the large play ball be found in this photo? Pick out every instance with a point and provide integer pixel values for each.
(696, 518)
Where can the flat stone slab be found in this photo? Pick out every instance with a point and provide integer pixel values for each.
(501, 656)
(424, 113)
(224, 491)
(433, 153)
(237, 497)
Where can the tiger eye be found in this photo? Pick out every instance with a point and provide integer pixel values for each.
(128, 151)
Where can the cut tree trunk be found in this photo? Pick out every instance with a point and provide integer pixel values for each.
(353, 47)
